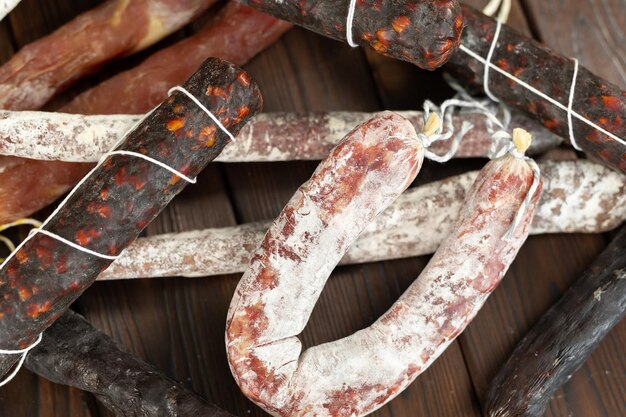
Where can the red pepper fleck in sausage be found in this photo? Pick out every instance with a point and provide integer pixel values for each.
(118, 200)
(596, 99)
(423, 32)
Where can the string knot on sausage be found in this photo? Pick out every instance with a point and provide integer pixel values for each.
(356, 375)
(435, 116)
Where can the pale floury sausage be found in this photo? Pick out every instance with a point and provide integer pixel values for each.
(358, 374)
(268, 137)
(415, 224)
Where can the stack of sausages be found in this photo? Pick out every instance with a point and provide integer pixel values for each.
(351, 209)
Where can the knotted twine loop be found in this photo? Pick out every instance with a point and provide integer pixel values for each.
(515, 145)
(520, 142)
(444, 129)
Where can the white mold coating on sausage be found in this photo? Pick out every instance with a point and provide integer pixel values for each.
(361, 177)
(358, 374)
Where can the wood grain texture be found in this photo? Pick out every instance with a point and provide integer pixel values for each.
(178, 324)
(594, 31)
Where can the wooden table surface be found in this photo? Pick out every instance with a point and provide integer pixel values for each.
(178, 324)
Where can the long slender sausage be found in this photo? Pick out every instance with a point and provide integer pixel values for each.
(415, 224)
(120, 197)
(423, 32)
(114, 29)
(268, 137)
(358, 374)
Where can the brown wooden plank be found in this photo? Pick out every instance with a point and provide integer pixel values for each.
(594, 31)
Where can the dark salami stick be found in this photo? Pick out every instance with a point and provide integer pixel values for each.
(120, 198)
(595, 99)
(423, 32)
(75, 353)
(563, 338)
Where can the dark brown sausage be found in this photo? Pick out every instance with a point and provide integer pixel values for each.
(596, 99)
(564, 337)
(423, 32)
(121, 197)
(75, 353)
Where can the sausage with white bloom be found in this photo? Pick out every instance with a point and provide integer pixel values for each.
(358, 374)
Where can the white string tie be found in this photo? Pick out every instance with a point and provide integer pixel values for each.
(24, 353)
(203, 107)
(446, 111)
(349, 21)
(39, 229)
(496, 35)
(569, 107)
(152, 160)
(535, 91)
(512, 150)
(72, 244)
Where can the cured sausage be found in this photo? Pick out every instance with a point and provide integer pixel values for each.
(120, 197)
(268, 137)
(6, 6)
(596, 99)
(358, 374)
(563, 338)
(73, 352)
(114, 29)
(423, 32)
(139, 89)
(129, 93)
(415, 224)
(27, 185)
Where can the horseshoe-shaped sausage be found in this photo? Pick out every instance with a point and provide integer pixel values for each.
(358, 374)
